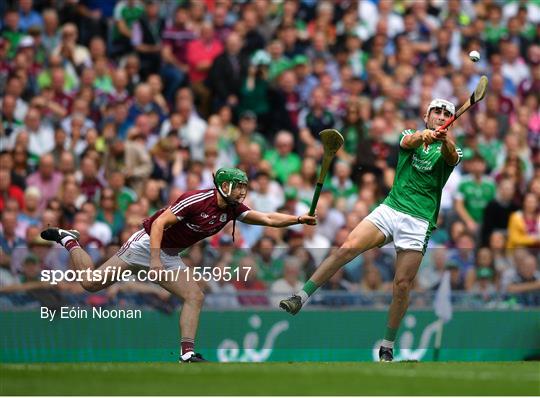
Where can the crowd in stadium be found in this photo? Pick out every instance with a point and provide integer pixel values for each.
(111, 109)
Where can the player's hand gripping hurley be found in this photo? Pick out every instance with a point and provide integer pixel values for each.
(477, 96)
(332, 140)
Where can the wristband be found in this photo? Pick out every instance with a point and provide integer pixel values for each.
(298, 220)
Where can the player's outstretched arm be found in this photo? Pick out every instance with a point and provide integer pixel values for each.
(414, 140)
(278, 220)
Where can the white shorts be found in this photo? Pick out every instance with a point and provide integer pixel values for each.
(407, 232)
(136, 251)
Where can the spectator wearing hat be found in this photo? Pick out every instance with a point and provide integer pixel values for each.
(254, 91)
(484, 287)
(457, 282)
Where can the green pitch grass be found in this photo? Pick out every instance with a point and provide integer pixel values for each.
(301, 378)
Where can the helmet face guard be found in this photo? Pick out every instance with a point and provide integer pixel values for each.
(234, 177)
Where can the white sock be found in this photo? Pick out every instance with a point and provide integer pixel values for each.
(303, 296)
(387, 344)
(66, 239)
(187, 355)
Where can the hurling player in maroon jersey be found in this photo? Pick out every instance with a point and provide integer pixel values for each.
(194, 216)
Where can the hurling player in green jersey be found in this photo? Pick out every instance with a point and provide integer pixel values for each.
(406, 217)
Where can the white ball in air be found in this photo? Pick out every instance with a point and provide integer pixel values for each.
(474, 56)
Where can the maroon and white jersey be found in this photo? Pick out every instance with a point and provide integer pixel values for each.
(198, 218)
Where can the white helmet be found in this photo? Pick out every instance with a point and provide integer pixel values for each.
(442, 103)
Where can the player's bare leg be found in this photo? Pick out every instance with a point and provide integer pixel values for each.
(407, 264)
(364, 237)
(113, 266)
(193, 297)
(82, 261)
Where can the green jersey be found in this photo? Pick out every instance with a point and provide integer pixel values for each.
(128, 13)
(476, 195)
(420, 177)
(490, 151)
(283, 166)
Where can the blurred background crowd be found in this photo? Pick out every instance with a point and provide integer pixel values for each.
(112, 109)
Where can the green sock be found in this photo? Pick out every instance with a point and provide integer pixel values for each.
(390, 334)
(310, 287)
